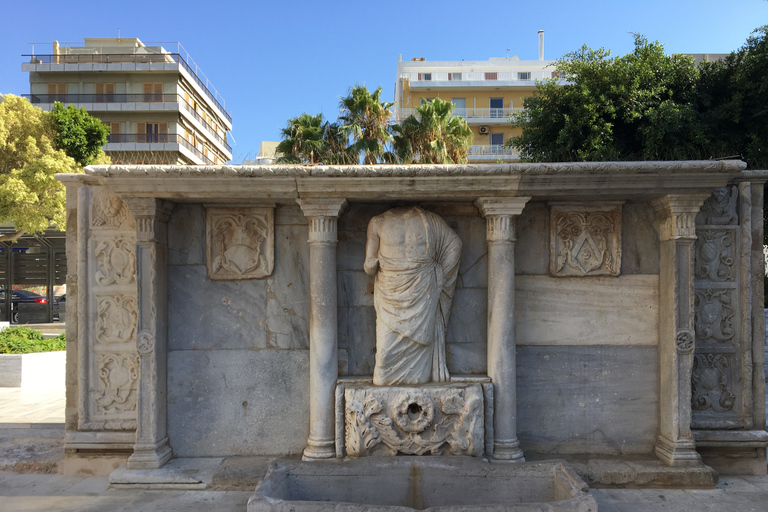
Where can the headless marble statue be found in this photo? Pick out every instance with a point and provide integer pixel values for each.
(415, 258)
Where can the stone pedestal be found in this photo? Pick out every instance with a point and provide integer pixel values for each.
(501, 214)
(323, 337)
(152, 449)
(676, 214)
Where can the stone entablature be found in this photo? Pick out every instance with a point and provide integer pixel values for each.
(501, 213)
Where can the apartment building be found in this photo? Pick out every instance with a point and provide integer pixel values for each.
(485, 93)
(159, 105)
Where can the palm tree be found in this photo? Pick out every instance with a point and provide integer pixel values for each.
(433, 136)
(302, 140)
(365, 119)
(335, 150)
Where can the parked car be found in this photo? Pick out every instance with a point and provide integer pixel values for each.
(35, 305)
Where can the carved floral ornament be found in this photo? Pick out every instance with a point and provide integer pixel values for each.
(710, 382)
(145, 342)
(108, 210)
(684, 340)
(414, 421)
(240, 243)
(585, 240)
(118, 376)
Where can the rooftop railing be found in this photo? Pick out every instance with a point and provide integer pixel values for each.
(469, 113)
(127, 98)
(135, 58)
(425, 76)
(490, 151)
(156, 138)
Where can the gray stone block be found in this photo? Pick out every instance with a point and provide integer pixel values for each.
(468, 322)
(578, 400)
(214, 315)
(186, 235)
(532, 246)
(357, 334)
(640, 240)
(466, 358)
(238, 402)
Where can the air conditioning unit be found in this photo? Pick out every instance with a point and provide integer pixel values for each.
(484, 130)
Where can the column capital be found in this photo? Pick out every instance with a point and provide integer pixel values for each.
(501, 205)
(322, 206)
(676, 214)
(148, 212)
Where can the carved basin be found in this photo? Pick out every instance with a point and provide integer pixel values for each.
(446, 484)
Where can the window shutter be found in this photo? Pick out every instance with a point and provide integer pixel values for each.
(141, 132)
(100, 88)
(114, 128)
(147, 88)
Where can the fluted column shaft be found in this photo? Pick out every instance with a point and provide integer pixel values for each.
(323, 336)
(676, 214)
(501, 214)
(152, 449)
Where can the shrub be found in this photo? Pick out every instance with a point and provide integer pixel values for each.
(22, 340)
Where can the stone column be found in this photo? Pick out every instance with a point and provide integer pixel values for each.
(152, 449)
(676, 215)
(500, 214)
(323, 337)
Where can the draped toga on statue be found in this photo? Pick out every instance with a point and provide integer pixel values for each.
(417, 258)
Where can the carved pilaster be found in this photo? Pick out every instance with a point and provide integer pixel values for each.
(152, 449)
(322, 214)
(501, 214)
(676, 215)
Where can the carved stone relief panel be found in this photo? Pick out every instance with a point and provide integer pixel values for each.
(413, 420)
(240, 243)
(109, 364)
(717, 388)
(585, 240)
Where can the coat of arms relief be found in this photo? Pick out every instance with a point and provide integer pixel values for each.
(585, 240)
(240, 243)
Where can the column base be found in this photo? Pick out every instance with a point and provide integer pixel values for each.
(317, 450)
(507, 451)
(150, 456)
(677, 453)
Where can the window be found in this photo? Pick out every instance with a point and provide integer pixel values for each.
(524, 75)
(425, 100)
(425, 76)
(153, 92)
(491, 76)
(555, 74)
(454, 76)
(114, 132)
(496, 107)
(105, 93)
(57, 92)
(497, 139)
(460, 105)
(151, 132)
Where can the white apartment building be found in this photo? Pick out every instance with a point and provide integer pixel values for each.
(160, 107)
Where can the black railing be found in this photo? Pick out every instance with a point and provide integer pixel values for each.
(135, 58)
(102, 98)
(126, 98)
(156, 138)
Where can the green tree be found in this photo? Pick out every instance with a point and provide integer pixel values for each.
(433, 135)
(635, 107)
(302, 140)
(335, 149)
(733, 100)
(30, 196)
(365, 119)
(79, 134)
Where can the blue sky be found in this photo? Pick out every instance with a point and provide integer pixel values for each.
(274, 60)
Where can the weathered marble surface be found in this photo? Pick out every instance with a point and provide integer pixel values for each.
(587, 311)
(237, 402)
(599, 400)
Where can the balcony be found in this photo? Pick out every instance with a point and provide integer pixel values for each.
(472, 115)
(152, 142)
(106, 102)
(483, 79)
(491, 153)
(137, 61)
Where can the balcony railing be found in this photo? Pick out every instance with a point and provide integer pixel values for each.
(424, 77)
(156, 138)
(126, 98)
(134, 58)
(491, 152)
(469, 113)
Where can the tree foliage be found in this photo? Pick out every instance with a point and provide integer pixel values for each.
(30, 196)
(310, 140)
(80, 135)
(365, 119)
(433, 135)
(635, 107)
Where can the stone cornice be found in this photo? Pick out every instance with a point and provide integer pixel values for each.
(281, 183)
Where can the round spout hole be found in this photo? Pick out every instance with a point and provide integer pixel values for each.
(414, 411)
